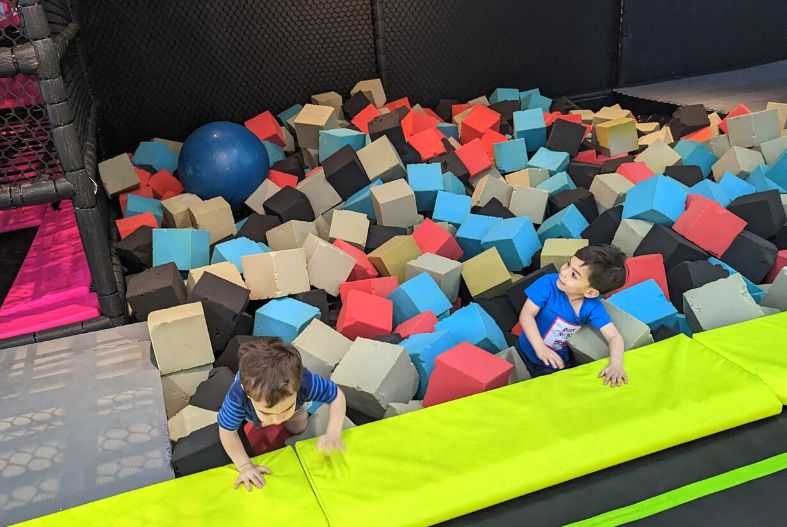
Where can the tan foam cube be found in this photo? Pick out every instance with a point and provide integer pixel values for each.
(332, 99)
(327, 265)
(322, 226)
(490, 172)
(630, 234)
(276, 274)
(178, 387)
(350, 226)
(520, 372)
(647, 128)
(394, 204)
(214, 216)
(771, 150)
(490, 187)
(180, 339)
(718, 145)
(176, 211)
(311, 157)
(781, 109)
(483, 100)
(188, 420)
(530, 202)
(590, 345)
(118, 175)
(381, 161)
(259, 196)
(485, 274)
(618, 136)
(665, 134)
(752, 129)
(557, 251)
(587, 115)
(289, 140)
(659, 156)
(529, 177)
(310, 120)
(609, 190)
(446, 272)
(736, 159)
(319, 192)
(225, 270)
(321, 347)
(390, 259)
(290, 234)
(373, 89)
(394, 409)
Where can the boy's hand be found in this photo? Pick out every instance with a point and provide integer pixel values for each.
(330, 443)
(550, 357)
(251, 474)
(614, 375)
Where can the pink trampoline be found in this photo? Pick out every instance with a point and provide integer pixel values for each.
(52, 287)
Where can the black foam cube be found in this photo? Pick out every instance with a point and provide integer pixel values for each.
(602, 230)
(156, 288)
(389, 125)
(663, 333)
(687, 119)
(506, 110)
(290, 165)
(230, 357)
(391, 338)
(198, 451)
(582, 174)
(691, 275)
(211, 392)
(763, 212)
(244, 325)
(136, 250)
(257, 226)
(223, 303)
(501, 311)
(781, 238)
(408, 155)
(289, 204)
(613, 164)
(317, 298)
(671, 245)
(450, 162)
(564, 105)
(584, 200)
(516, 293)
(493, 208)
(566, 136)
(689, 175)
(751, 255)
(379, 234)
(344, 172)
(444, 108)
(355, 105)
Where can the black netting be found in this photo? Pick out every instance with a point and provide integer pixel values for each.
(464, 48)
(164, 67)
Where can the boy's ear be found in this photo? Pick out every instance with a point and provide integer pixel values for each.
(592, 293)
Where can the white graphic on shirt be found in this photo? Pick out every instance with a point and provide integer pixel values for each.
(558, 334)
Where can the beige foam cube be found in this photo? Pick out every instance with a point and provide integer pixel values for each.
(520, 372)
(390, 259)
(485, 274)
(587, 115)
(665, 134)
(395, 409)
(720, 303)
(647, 128)
(446, 272)
(225, 270)
(289, 140)
(276, 274)
(776, 297)
(458, 118)
(590, 345)
(310, 120)
(373, 89)
(180, 339)
(605, 114)
(327, 265)
(618, 136)
(718, 145)
(321, 347)
(118, 175)
(350, 226)
(781, 109)
(188, 420)
(290, 234)
(174, 146)
(752, 129)
(261, 195)
(490, 172)
(659, 156)
(394, 204)
(630, 234)
(176, 211)
(381, 161)
(715, 120)
(322, 226)
(736, 159)
(529, 177)
(609, 190)
(482, 100)
(319, 192)
(178, 387)
(332, 99)
(214, 216)
(530, 202)
(557, 251)
(490, 187)
(771, 150)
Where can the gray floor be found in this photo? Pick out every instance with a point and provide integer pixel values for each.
(81, 418)
(721, 92)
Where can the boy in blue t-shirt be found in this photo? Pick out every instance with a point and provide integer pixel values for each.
(270, 389)
(559, 304)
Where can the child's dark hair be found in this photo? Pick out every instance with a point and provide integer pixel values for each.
(607, 266)
(270, 369)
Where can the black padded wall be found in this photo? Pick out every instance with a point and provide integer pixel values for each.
(464, 48)
(663, 39)
(163, 67)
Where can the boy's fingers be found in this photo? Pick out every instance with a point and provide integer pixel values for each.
(237, 483)
(265, 470)
(248, 485)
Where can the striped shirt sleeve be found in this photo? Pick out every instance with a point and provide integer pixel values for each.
(231, 414)
(322, 390)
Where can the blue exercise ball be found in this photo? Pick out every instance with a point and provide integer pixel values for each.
(223, 159)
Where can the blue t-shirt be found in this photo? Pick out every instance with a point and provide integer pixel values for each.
(237, 406)
(557, 320)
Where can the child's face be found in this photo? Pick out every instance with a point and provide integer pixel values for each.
(276, 414)
(573, 279)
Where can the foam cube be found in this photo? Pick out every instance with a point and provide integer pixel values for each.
(321, 347)
(430, 238)
(289, 204)
(490, 187)
(753, 129)
(391, 257)
(153, 289)
(310, 120)
(320, 194)
(188, 420)
(588, 344)
(761, 182)
(568, 223)
(176, 210)
(350, 226)
(382, 286)
(737, 159)
(180, 339)
(711, 190)
(140, 204)
(566, 136)
(290, 235)
(609, 190)
(510, 156)
(421, 323)
(751, 255)
(381, 161)
(549, 160)
(156, 155)
(361, 201)
(646, 302)
(426, 179)
(266, 128)
(558, 251)
(762, 211)
(630, 234)
(776, 297)
(659, 200)
(617, 136)
(180, 386)
(276, 274)
(423, 349)
(364, 315)
(210, 393)
(529, 202)
(394, 204)
(691, 275)
(465, 370)
(136, 250)
(232, 251)
(472, 231)
(557, 183)
(477, 121)
(223, 303)
(416, 295)
(363, 267)
(474, 157)
(332, 140)
(602, 229)
(188, 248)
(379, 234)
(671, 245)
(327, 265)
(225, 270)
(284, 318)
(214, 216)
(658, 156)
(372, 89)
(395, 409)
(635, 172)
(529, 177)
(118, 175)
(516, 242)
(257, 198)
(530, 126)
(709, 226)
(719, 303)
(781, 261)
(695, 153)
(486, 274)
(473, 324)
(773, 149)
(445, 272)
(646, 267)
(127, 226)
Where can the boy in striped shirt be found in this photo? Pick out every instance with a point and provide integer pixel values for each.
(270, 389)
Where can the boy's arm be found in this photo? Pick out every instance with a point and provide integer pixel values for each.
(614, 374)
(332, 440)
(527, 319)
(248, 473)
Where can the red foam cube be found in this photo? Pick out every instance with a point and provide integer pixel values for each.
(267, 128)
(465, 370)
(709, 225)
(517, 329)
(415, 122)
(741, 109)
(143, 175)
(701, 135)
(128, 225)
(490, 138)
(162, 182)
(365, 315)
(428, 143)
(283, 179)
(431, 238)
(636, 172)
(474, 157)
(382, 286)
(423, 322)
(364, 117)
(479, 120)
(781, 261)
(264, 439)
(430, 112)
(364, 269)
(645, 267)
(456, 109)
(404, 102)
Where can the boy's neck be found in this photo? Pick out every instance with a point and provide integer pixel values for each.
(575, 298)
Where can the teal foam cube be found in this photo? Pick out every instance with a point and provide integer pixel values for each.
(646, 302)
(550, 160)
(777, 172)
(761, 182)
(694, 153)
(532, 99)
(187, 248)
(516, 241)
(423, 349)
(473, 324)
(452, 208)
(284, 318)
(711, 190)
(472, 231)
(155, 154)
(141, 204)
(331, 141)
(557, 183)
(418, 294)
(735, 187)
(453, 184)
(659, 199)
(275, 152)
(293, 110)
(504, 94)
(530, 126)
(567, 223)
(449, 130)
(426, 180)
(510, 156)
(233, 250)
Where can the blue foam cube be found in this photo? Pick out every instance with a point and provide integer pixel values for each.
(452, 208)
(361, 201)
(293, 110)
(735, 187)
(275, 152)
(510, 156)
(659, 199)
(233, 250)
(761, 182)
(532, 99)
(426, 180)
(473, 324)
(557, 183)
(284, 318)
(711, 190)
(418, 294)
(333, 140)
(504, 94)
(516, 241)
(683, 325)
(140, 204)
(646, 302)
(155, 154)
(472, 231)
(530, 126)
(423, 349)
(754, 290)
(239, 224)
(188, 248)
(453, 184)
(777, 172)
(549, 159)
(694, 153)
(567, 223)
(449, 130)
